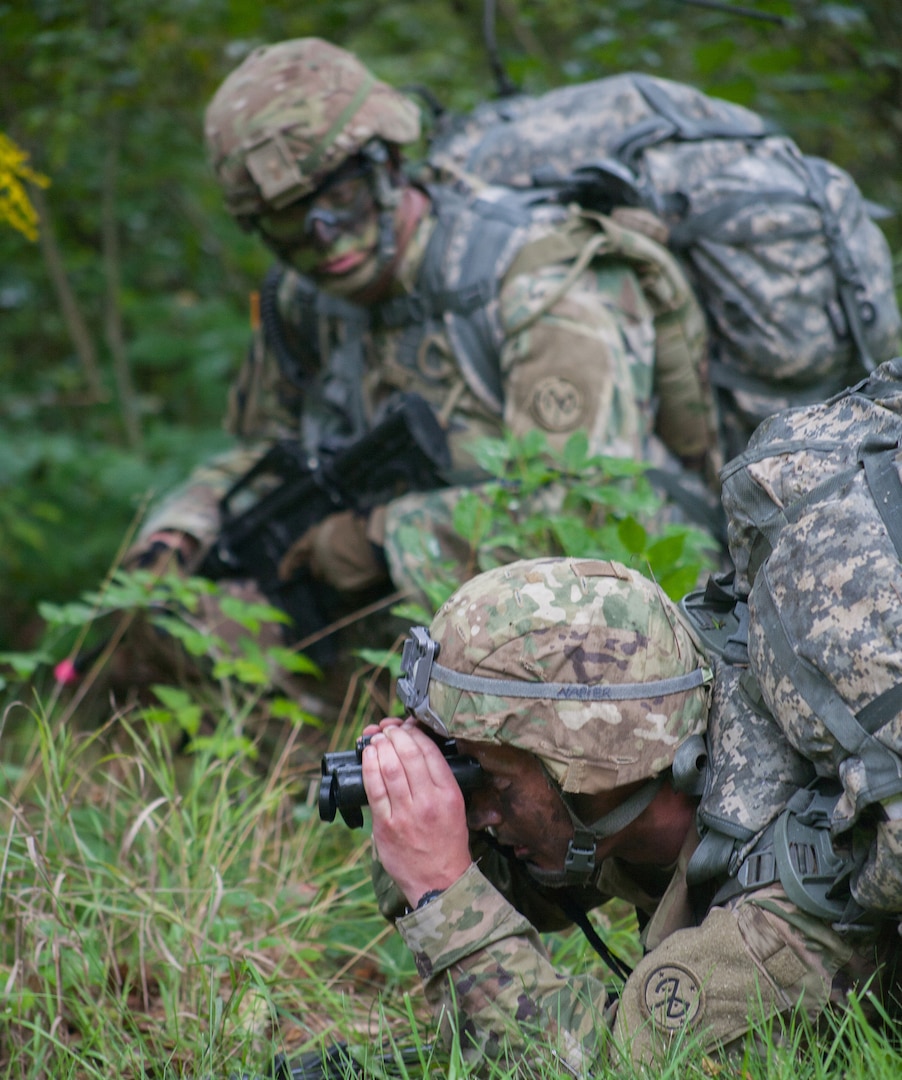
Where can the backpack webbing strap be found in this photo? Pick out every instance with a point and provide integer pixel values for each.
(882, 709)
(853, 292)
(416, 308)
(883, 481)
(768, 518)
(882, 766)
(723, 376)
(671, 123)
(886, 490)
(708, 224)
(474, 239)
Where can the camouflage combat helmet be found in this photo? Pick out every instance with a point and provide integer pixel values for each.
(292, 113)
(583, 663)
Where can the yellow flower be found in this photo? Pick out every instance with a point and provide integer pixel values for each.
(15, 172)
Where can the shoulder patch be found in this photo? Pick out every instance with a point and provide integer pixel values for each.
(672, 997)
(557, 404)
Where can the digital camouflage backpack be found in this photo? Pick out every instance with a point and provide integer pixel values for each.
(814, 511)
(795, 277)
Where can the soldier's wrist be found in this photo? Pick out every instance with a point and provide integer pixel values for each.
(427, 898)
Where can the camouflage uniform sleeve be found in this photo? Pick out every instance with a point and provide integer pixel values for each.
(193, 507)
(581, 360)
(616, 350)
(508, 876)
(487, 974)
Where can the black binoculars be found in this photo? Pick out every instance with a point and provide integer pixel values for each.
(341, 787)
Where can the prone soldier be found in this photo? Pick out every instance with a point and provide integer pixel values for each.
(620, 759)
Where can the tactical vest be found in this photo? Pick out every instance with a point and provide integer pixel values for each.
(472, 246)
(477, 240)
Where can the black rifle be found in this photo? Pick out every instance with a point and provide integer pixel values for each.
(341, 787)
(406, 451)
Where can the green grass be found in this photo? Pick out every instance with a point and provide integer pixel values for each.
(168, 915)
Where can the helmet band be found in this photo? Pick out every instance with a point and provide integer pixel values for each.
(313, 160)
(418, 667)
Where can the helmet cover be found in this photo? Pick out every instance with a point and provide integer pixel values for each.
(291, 114)
(576, 621)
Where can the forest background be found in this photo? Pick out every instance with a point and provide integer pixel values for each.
(121, 324)
(163, 920)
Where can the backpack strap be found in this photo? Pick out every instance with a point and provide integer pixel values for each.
(724, 376)
(769, 518)
(671, 123)
(882, 767)
(720, 618)
(797, 851)
(475, 237)
(859, 311)
(883, 481)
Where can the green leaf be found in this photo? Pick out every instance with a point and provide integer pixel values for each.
(632, 535)
(25, 664)
(576, 452)
(415, 614)
(74, 614)
(492, 455)
(680, 581)
(244, 669)
(469, 514)
(153, 715)
(281, 708)
(381, 658)
(294, 661)
(665, 552)
(573, 536)
(173, 697)
(195, 642)
(251, 615)
(224, 747)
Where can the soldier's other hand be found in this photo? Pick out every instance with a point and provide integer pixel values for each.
(338, 550)
(419, 820)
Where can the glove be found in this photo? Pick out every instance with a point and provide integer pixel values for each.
(342, 550)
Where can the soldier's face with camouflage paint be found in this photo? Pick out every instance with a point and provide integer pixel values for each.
(518, 805)
(332, 236)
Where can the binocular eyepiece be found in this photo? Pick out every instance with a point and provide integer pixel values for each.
(341, 788)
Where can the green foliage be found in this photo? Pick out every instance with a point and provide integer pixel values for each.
(542, 502)
(108, 102)
(232, 671)
(171, 921)
(135, 892)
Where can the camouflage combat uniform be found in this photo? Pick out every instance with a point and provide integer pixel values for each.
(713, 968)
(585, 359)
(505, 315)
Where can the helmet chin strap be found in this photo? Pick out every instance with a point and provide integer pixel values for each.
(386, 195)
(579, 862)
